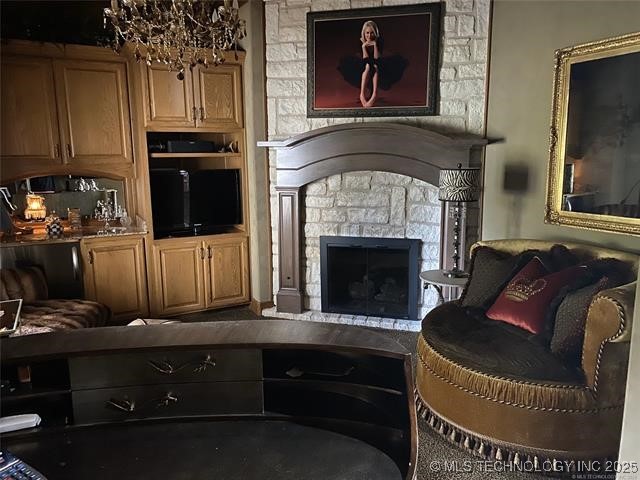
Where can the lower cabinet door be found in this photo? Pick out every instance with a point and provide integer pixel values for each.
(229, 272)
(179, 276)
(169, 400)
(116, 275)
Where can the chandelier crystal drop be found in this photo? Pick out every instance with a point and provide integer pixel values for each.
(178, 33)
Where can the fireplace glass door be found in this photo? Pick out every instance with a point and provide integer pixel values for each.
(369, 276)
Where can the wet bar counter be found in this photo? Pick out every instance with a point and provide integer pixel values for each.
(68, 236)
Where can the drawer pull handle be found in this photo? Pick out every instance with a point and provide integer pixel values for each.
(129, 406)
(295, 372)
(167, 368)
(168, 398)
(123, 405)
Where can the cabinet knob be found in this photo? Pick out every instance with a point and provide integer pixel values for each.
(57, 152)
(202, 253)
(194, 113)
(91, 257)
(209, 251)
(202, 114)
(69, 150)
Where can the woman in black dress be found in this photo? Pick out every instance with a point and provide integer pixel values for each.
(372, 71)
(370, 55)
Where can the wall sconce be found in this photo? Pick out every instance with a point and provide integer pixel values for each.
(36, 209)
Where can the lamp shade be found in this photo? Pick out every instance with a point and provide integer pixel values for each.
(459, 185)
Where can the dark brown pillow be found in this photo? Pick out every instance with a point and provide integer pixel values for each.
(560, 257)
(570, 322)
(490, 271)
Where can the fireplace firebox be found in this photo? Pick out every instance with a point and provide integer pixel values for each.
(370, 276)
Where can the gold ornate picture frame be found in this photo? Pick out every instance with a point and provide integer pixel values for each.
(594, 167)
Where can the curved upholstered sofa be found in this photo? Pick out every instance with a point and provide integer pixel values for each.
(492, 389)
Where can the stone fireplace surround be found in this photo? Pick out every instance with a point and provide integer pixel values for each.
(354, 153)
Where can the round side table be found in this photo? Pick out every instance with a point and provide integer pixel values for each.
(438, 279)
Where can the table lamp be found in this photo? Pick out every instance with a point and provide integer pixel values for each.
(36, 209)
(458, 185)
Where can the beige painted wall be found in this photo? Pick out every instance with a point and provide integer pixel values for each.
(255, 114)
(524, 36)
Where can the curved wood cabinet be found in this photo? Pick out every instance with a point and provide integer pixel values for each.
(335, 378)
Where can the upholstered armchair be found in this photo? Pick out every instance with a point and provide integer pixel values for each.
(505, 393)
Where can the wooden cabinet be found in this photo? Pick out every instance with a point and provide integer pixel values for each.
(218, 93)
(229, 272)
(196, 273)
(59, 112)
(192, 275)
(29, 119)
(93, 106)
(179, 276)
(170, 101)
(115, 275)
(207, 98)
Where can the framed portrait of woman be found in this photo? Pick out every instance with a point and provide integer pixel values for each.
(373, 61)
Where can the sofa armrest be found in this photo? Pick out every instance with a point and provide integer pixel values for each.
(607, 335)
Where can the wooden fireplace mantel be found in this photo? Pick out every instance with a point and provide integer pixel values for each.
(373, 146)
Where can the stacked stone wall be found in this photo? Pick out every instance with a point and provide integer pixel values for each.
(371, 203)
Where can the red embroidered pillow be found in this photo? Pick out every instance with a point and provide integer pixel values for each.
(526, 298)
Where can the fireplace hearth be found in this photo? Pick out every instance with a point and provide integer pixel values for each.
(370, 276)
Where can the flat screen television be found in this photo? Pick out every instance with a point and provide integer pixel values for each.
(194, 203)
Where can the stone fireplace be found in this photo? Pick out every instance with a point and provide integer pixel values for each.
(371, 180)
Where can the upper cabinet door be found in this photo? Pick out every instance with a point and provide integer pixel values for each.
(218, 96)
(94, 112)
(169, 100)
(29, 121)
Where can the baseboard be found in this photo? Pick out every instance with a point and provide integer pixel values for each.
(256, 307)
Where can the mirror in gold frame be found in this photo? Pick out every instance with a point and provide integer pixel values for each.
(594, 168)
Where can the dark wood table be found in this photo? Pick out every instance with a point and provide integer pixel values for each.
(260, 399)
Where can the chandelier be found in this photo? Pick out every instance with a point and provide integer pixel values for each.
(178, 33)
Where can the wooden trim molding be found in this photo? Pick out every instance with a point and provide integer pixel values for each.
(257, 307)
(290, 295)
